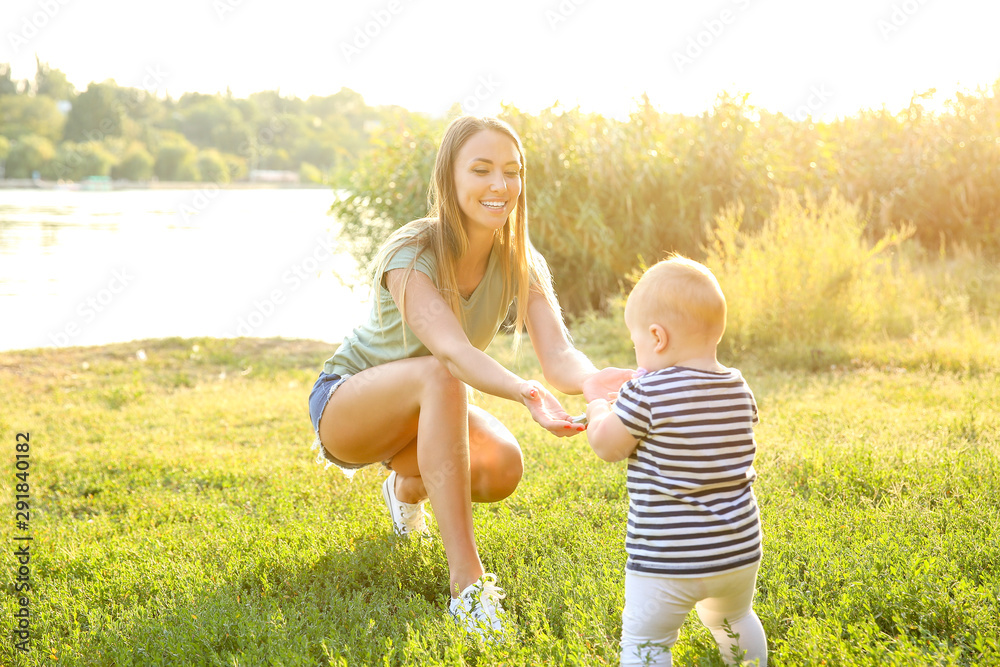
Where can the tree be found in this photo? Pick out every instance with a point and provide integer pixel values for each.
(97, 113)
(318, 150)
(176, 160)
(76, 162)
(273, 141)
(346, 105)
(29, 154)
(23, 115)
(136, 164)
(270, 104)
(236, 166)
(142, 106)
(213, 122)
(212, 167)
(52, 82)
(4, 152)
(7, 85)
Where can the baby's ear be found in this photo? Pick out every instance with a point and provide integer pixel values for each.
(661, 337)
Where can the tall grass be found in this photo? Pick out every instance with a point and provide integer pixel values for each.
(809, 288)
(607, 195)
(810, 275)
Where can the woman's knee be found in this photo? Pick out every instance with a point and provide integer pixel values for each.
(508, 470)
(496, 457)
(497, 475)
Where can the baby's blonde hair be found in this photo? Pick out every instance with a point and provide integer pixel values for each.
(683, 293)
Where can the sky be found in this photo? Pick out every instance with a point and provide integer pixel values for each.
(799, 57)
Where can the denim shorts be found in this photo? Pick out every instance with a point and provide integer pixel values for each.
(326, 384)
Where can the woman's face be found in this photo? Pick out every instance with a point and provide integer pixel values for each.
(487, 180)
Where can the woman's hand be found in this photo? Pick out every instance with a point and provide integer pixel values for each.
(547, 411)
(605, 383)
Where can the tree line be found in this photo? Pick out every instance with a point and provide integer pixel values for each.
(49, 129)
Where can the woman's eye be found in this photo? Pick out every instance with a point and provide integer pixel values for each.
(481, 171)
(513, 174)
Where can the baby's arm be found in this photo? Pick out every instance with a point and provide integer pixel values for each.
(606, 433)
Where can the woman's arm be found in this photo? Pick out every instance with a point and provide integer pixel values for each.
(432, 321)
(565, 367)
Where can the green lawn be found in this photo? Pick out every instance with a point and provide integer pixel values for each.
(178, 519)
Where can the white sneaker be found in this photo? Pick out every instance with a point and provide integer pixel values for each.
(406, 517)
(478, 608)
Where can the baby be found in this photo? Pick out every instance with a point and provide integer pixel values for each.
(686, 427)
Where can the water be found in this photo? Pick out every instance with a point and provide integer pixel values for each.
(89, 268)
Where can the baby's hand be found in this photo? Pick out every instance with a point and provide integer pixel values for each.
(605, 383)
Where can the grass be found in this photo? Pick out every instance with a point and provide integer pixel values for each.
(178, 518)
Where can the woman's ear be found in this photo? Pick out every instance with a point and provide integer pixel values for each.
(660, 337)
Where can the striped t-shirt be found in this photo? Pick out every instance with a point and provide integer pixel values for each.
(692, 510)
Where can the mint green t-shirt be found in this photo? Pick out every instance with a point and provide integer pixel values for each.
(372, 344)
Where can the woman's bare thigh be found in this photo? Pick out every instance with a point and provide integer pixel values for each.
(374, 414)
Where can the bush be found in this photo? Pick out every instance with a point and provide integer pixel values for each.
(136, 164)
(76, 162)
(212, 167)
(236, 166)
(309, 173)
(389, 188)
(176, 161)
(809, 277)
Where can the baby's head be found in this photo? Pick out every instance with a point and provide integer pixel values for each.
(677, 308)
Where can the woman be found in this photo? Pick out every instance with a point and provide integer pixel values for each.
(395, 391)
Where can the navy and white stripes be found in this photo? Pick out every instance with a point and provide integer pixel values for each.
(692, 510)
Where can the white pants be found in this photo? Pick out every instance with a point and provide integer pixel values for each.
(655, 608)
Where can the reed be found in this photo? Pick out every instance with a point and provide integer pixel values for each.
(607, 195)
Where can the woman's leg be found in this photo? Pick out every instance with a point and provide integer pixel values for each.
(378, 412)
(495, 461)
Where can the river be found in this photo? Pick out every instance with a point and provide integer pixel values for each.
(89, 268)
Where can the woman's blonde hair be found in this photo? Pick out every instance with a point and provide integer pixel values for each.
(443, 234)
